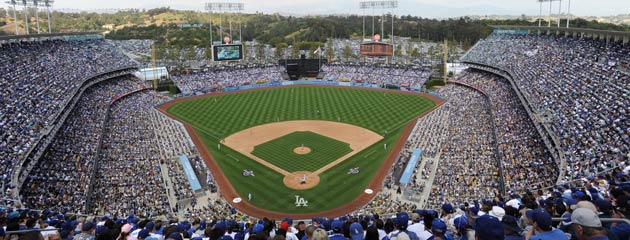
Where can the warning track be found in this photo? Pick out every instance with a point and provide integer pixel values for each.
(228, 191)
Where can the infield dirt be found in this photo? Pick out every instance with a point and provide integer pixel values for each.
(229, 193)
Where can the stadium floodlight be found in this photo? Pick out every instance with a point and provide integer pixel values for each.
(222, 7)
(48, 5)
(36, 4)
(568, 13)
(225, 6)
(13, 3)
(25, 4)
(549, 16)
(379, 4)
(376, 4)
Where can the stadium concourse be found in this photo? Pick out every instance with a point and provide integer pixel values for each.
(484, 172)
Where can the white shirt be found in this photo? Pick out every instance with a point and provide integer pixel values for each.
(417, 228)
(381, 234)
(45, 234)
(292, 236)
(425, 235)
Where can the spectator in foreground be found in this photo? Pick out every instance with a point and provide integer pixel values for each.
(542, 229)
(401, 222)
(587, 226)
(510, 228)
(320, 234)
(488, 228)
(87, 232)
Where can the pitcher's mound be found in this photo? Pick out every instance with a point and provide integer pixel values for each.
(302, 150)
(301, 180)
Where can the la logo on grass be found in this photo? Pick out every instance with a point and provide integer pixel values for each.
(300, 202)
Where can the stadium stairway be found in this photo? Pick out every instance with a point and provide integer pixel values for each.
(172, 200)
(428, 184)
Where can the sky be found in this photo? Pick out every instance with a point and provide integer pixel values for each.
(424, 8)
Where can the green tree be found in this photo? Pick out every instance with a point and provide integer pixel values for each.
(415, 53)
(398, 51)
(347, 52)
(295, 50)
(330, 49)
(207, 53)
(280, 49)
(246, 52)
(260, 52)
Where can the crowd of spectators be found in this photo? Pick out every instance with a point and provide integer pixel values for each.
(467, 167)
(145, 144)
(401, 76)
(580, 208)
(221, 77)
(36, 81)
(576, 85)
(129, 167)
(62, 176)
(585, 98)
(525, 161)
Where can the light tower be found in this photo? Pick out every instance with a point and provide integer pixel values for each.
(36, 5)
(549, 16)
(25, 5)
(382, 5)
(223, 7)
(13, 3)
(48, 4)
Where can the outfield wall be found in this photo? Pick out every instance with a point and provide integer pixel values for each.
(303, 82)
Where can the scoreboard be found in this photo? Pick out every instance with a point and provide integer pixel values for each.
(227, 52)
(376, 49)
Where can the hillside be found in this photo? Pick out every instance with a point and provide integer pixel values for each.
(161, 24)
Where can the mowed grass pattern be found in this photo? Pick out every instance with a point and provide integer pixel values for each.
(215, 117)
(220, 116)
(279, 151)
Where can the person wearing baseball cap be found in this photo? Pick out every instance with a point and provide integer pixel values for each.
(510, 228)
(417, 227)
(356, 232)
(488, 228)
(337, 229)
(587, 226)
(287, 227)
(438, 228)
(400, 223)
(542, 229)
(87, 231)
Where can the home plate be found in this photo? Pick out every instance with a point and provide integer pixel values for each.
(369, 191)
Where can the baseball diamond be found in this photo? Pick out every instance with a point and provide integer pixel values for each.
(227, 129)
(280, 151)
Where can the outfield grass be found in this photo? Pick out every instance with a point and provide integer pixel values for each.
(220, 116)
(216, 117)
(279, 151)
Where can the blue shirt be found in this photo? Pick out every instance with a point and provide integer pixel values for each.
(511, 237)
(337, 237)
(556, 234)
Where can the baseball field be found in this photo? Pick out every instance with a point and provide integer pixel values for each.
(301, 149)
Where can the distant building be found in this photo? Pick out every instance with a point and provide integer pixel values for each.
(110, 26)
(190, 25)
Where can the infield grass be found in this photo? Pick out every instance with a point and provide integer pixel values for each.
(216, 117)
(279, 151)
